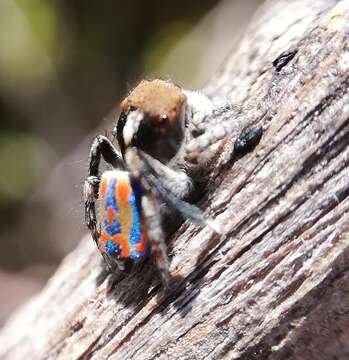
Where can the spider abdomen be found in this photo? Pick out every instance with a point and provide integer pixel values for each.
(122, 232)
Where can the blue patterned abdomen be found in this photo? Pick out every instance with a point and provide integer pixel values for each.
(122, 231)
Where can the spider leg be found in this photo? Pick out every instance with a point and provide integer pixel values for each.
(198, 150)
(151, 214)
(90, 193)
(188, 211)
(148, 172)
(177, 182)
(101, 147)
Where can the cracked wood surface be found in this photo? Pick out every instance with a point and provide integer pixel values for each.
(276, 285)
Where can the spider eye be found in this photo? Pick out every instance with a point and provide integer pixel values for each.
(163, 119)
(146, 134)
(158, 137)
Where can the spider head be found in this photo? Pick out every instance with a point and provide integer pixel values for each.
(152, 119)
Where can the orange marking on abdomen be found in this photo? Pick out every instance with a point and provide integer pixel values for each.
(102, 188)
(111, 215)
(124, 244)
(122, 192)
(103, 238)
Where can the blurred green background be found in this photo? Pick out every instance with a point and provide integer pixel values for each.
(64, 66)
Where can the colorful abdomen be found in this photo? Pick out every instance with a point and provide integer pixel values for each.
(122, 232)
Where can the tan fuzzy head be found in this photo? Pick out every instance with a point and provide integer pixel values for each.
(158, 98)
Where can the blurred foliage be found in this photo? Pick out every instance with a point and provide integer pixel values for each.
(63, 65)
(161, 42)
(19, 155)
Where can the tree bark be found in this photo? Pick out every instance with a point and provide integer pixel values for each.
(276, 285)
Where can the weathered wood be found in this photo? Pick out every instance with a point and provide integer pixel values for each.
(276, 285)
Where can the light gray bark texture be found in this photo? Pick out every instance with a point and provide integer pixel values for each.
(276, 285)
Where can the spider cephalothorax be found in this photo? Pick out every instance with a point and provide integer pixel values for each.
(152, 119)
(158, 119)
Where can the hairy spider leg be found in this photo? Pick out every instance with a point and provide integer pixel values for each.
(169, 185)
(151, 213)
(101, 147)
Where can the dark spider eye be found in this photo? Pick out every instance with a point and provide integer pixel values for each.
(119, 129)
(146, 134)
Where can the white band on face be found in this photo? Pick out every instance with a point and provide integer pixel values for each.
(134, 118)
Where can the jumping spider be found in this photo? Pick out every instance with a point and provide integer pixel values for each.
(159, 132)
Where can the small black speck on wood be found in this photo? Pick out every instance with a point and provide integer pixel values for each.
(276, 284)
(248, 139)
(283, 59)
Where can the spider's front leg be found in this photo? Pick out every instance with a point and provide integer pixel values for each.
(169, 185)
(158, 248)
(90, 193)
(199, 150)
(175, 181)
(101, 147)
(161, 183)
